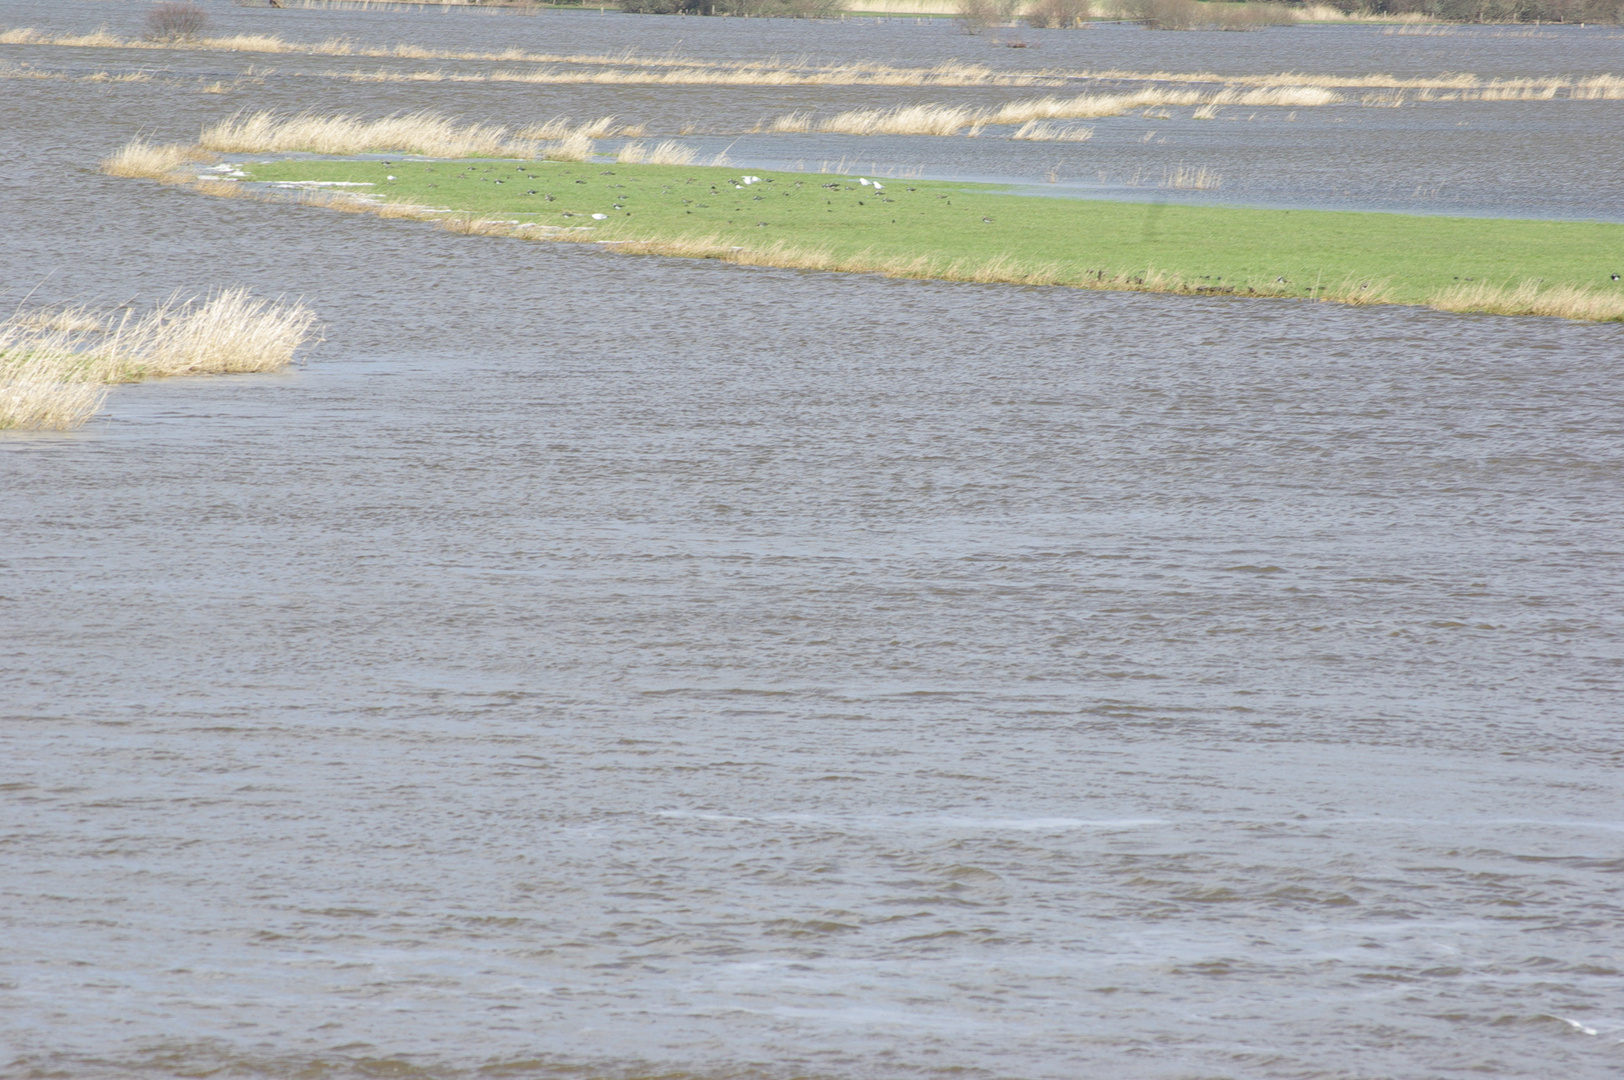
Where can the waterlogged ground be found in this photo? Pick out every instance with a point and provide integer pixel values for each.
(653, 665)
(1559, 158)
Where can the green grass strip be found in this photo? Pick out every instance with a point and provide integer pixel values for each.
(940, 224)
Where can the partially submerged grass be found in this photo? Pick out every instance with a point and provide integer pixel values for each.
(153, 161)
(1530, 297)
(1191, 178)
(1043, 131)
(972, 232)
(230, 332)
(676, 70)
(425, 133)
(42, 384)
(668, 152)
(54, 369)
(574, 147)
(902, 120)
(72, 319)
(933, 119)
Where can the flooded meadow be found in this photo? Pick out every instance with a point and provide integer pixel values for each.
(585, 664)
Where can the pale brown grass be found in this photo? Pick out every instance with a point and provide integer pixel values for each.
(949, 119)
(153, 161)
(54, 366)
(42, 381)
(425, 133)
(559, 127)
(668, 152)
(902, 120)
(229, 332)
(795, 123)
(631, 69)
(75, 319)
(1189, 178)
(468, 225)
(576, 147)
(1043, 131)
(1531, 298)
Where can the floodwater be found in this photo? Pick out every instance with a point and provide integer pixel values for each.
(595, 665)
(1540, 159)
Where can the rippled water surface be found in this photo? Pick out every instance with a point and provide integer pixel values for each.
(637, 666)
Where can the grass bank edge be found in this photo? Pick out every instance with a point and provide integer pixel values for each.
(1549, 288)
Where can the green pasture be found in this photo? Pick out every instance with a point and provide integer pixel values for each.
(1291, 252)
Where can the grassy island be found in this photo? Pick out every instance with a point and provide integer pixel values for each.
(990, 233)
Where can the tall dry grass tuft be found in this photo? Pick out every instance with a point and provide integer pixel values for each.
(668, 152)
(575, 147)
(1530, 298)
(1356, 291)
(425, 133)
(902, 120)
(795, 123)
(42, 378)
(1043, 131)
(152, 161)
(76, 319)
(559, 127)
(1088, 106)
(1188, 178)
(230, 332)
(54, 367)
(1284, 96)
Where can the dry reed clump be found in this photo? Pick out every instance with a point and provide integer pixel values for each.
(468, 225)
(667, 152)
(1283, 96)
(422, 133)
(54, 369)
(42, 380)
(559, 127)
(230, 332)
(1186, 178)
(1530, 298)
(1043, 131)
(951, 119)
(152, 161)
(902, 120)
(575, 147)
(795, 123)
(76, 319)
(1088, 106)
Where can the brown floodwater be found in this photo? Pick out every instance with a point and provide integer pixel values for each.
(646, 666)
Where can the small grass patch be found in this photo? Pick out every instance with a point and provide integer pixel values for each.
(939, 229)
(56, 363)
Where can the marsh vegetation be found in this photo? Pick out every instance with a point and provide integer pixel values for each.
(55, 364)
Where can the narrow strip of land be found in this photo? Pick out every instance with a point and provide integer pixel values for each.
(984, 232)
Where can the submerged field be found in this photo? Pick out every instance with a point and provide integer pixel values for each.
(955, 230)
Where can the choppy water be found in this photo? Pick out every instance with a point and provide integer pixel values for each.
(650, 665)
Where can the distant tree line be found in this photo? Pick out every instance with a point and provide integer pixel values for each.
(784, 9)
(1492, 11)
(1169, 14)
